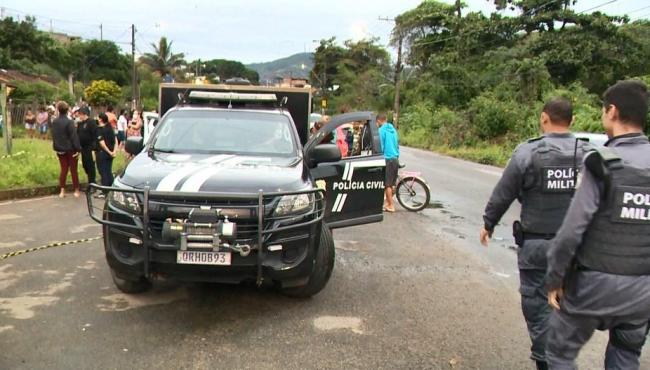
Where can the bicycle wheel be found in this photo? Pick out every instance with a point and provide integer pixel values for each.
(413, 194)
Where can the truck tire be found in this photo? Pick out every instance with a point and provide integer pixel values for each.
(323, 266)
(130, 286)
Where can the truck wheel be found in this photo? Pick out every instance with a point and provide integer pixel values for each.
(323, 265)
(130, 286)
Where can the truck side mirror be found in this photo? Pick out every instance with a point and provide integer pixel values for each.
(133, 145)
(324, 153)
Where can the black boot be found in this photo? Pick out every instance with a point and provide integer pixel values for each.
(541, 365)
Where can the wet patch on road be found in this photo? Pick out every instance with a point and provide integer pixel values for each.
(90, 265)
(8, 278)
(59, 287)
(499, 274)
(435, 205)
(441, 207)
(15, 244)
(347, 245)
(82, 228)
(329, 323)
(123, 302)
(363, 264)
(23, 307)
(9, 216)
(454, 232)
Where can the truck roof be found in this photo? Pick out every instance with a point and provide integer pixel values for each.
(298, 103)
(278, 111)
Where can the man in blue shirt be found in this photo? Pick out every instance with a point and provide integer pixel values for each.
(390, 145)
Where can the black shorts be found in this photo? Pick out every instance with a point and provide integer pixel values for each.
(392, 165)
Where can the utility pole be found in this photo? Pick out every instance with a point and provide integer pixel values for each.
(398, 73)
(101, 32)
(71, 83)
(133, 78)
(324, 88)
(6, 131)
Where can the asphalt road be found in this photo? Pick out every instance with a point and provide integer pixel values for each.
(416, 291)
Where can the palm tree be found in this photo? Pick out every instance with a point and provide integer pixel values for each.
(162, 60)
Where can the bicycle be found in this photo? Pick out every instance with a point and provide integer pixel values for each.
(412, 191)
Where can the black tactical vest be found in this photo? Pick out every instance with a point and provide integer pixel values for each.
(618, 239)
(549, 185)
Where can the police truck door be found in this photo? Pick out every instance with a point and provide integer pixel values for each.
(354, 186)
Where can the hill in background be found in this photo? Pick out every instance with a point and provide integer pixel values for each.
(296, 66)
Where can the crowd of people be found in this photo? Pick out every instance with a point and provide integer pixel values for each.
(75, 133)
(356, 139)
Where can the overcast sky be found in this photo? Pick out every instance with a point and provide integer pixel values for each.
(244, 30)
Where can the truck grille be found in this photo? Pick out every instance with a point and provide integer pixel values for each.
(241, 212)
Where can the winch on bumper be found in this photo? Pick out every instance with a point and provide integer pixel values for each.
(217, 237)
(204, 230)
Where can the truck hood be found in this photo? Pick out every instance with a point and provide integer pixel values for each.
(215, 173)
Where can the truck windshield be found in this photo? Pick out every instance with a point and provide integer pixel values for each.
(237, 132)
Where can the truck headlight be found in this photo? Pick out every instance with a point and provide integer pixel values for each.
(292, 204)
(124, 201)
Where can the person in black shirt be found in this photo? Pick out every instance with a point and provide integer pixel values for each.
(87, 132)
(106, 150)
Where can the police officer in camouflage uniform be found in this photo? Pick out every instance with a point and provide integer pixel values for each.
(599, 262)
(541, 174)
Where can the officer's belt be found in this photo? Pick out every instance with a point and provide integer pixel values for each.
(531, 236)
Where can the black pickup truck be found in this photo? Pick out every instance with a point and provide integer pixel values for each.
(231, 188)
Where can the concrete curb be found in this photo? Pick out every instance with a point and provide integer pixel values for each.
(38, 191)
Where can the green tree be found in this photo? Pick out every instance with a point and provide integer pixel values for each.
(326, 59)
(149, 86)
(95, 60)
(25, 48)
(593, 51)
(37, 91)
(425, 30)
(225, 69)
(103, 93)
(354, 76)
(163, 60)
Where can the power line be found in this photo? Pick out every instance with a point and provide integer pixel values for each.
(597, 6)
(60, 19)
(526, 13)
(643, 16)
(91, 61)
(638, 10)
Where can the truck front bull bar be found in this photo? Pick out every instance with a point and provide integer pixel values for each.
(263, 205)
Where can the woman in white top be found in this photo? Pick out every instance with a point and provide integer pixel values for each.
(122, 122)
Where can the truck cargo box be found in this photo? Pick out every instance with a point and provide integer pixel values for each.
(298, 99)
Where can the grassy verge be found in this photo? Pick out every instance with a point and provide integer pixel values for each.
(34, 163)
(492, 154)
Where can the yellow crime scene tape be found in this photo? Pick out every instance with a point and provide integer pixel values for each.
(51, 245)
